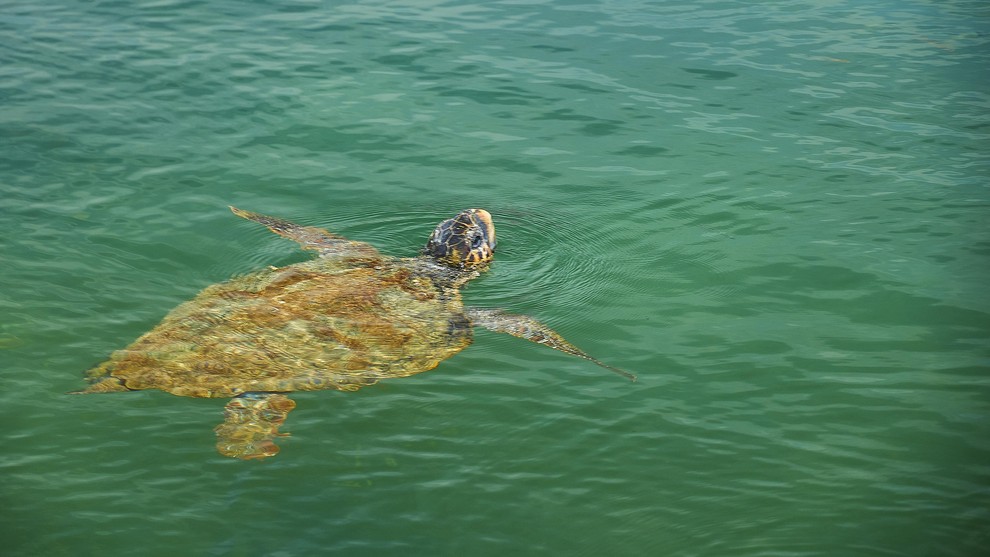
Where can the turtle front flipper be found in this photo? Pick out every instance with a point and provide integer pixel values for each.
(311, 237)
(526, 327)
(250, 424)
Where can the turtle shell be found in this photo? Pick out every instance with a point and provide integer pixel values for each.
(321, 324)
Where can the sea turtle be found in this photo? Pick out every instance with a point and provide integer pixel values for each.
(343, 320)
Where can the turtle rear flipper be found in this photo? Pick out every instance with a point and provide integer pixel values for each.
(250, 425)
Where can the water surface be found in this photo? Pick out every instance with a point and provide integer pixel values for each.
(775, 215)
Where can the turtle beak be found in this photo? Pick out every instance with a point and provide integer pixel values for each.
(479, 243)
(484, 220)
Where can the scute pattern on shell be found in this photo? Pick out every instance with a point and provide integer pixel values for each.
(321, 324)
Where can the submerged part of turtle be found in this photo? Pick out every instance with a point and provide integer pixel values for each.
(346, 319)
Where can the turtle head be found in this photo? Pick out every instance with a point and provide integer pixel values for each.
(467, 240)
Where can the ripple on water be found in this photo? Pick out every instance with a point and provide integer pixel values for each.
(550, 262)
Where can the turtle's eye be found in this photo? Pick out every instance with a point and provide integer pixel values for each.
(476, 241)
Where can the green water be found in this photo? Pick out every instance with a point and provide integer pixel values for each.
(774, 213)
